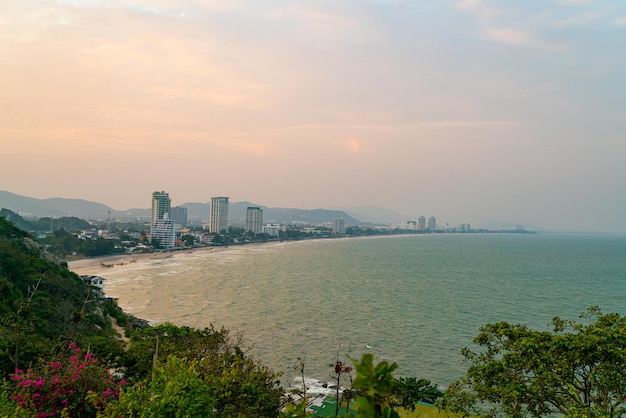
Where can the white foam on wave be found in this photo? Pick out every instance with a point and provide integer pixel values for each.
(168, 273)
(316, 388)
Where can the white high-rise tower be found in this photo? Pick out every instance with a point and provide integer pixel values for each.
(254, 219)
(161, 227)
(219, 215)
(160, 207)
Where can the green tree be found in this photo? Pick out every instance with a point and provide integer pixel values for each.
(189, 240)
(236, 383)
(374, 384)
(578, 369)
(408, 391)
(176, 390)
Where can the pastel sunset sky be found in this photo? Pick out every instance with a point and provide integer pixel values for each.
(468, 110)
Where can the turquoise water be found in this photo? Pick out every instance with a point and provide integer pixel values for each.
(416, 299)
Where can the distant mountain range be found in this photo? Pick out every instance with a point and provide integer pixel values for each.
(197, 212)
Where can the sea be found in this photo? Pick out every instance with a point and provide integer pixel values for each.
(415, 300)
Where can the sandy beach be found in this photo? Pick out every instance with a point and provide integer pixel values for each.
(112, 263)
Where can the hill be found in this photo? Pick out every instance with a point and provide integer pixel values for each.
(53, 207)
(375, 214)
(43, 305)
(237, 214)
(59, 207)
(46, 224)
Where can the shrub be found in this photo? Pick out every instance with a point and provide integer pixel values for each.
(75, 385)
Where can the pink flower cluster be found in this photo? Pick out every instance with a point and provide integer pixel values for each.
(75, 385)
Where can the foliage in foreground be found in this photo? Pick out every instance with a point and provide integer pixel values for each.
(374, 384)
(578, 370)
(199, 373)
(407, 392)
(73, 385)
(373, 387)
(205, 370)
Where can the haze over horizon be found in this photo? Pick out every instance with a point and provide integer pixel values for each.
(468, 110)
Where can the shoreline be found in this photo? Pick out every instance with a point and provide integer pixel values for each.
(107, 261)
(101, 265)
(113, 260)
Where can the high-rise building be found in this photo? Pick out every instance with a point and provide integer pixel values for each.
(219, 215)
(179, 215)
(254, 219)
(163, 232)
(421, 223)
(339, 226)
(432, 223)
(160, 208)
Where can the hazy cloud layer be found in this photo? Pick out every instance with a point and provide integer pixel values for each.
(468, 110)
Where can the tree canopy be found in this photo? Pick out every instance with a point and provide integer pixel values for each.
(577, 369)
(203, 372)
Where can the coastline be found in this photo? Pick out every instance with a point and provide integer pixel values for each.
(96, 265)
(106, 262)
(110, 263)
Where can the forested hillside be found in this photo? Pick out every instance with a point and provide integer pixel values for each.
(45, 224)
(43, 305)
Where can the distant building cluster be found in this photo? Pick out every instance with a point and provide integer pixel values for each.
(167, 222)
(421, 225)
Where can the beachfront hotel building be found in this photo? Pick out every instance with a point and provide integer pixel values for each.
(160, 205)
(179, 215)
(219, 215)
(163, 232)
(254, 219)
(432, 223)
(339, 226)
(273, 230)
(160, 208)
(421, 223)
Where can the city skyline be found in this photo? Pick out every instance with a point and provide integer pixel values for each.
(473, 110)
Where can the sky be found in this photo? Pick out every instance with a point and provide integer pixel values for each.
(468, 110)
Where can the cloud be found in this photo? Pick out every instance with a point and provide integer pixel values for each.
(620, 21)
(309, 14)
(569, 2)
(498, 24)
(479, 124)
(258, 149)
(577, 20)
(479, 9)
(511, 36)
